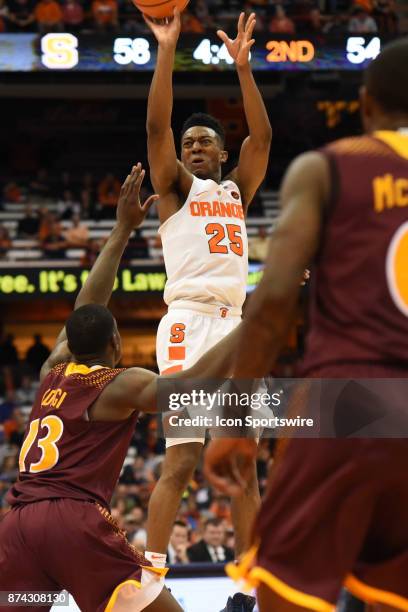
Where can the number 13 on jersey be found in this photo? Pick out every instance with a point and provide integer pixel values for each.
(47, 444)
(219, 233)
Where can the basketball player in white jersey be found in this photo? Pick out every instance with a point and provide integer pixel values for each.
(205, 250)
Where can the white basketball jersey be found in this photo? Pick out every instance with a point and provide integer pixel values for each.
(205, 246)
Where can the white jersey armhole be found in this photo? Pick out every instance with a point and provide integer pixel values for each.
(163, 225)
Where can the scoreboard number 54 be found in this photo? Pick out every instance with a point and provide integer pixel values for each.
(358, 51)
(59, 51)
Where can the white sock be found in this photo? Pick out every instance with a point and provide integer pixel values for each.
(156, 559)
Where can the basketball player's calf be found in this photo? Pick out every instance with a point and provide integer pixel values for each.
(244, 509)
(178, 468)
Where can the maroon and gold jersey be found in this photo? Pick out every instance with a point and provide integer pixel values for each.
(359, 293)
(64, 454)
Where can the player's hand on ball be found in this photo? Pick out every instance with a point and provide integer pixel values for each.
(239, 48)
(228, 464)
(166, 30)
(130, 212)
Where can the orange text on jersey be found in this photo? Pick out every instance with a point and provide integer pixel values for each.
(53, 398)
(389, 192)
(216, 209)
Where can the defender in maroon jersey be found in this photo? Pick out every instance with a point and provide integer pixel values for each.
(59, 533)
(335, 511)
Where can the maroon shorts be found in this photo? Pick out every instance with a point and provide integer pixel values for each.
(69, 544)
(335, 514)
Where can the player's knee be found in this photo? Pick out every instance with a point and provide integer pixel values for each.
(179, 467)
(178, 476)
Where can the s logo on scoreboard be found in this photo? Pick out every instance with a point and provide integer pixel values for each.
(59, 51)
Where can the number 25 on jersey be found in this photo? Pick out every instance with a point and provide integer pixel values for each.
(234, 238)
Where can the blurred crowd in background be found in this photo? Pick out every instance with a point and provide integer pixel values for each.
(56, 216)
(275, 16)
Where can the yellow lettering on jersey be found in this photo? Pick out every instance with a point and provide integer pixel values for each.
(60, 396)
(389, 192)
(44, 401)
(401, 192)
(53, 398)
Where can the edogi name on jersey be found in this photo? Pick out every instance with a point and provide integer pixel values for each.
(205, 246)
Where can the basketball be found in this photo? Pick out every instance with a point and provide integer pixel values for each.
(160, 9)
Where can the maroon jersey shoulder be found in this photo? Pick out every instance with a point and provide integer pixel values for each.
(358, 145)
(64, 454)
(359, 295)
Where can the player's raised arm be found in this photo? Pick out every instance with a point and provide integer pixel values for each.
(254, 155)
(130, 214)
(167, 174)
(97, 289)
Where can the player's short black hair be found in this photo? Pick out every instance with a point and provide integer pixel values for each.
(180, 524)
(206, 121)
(386, 77)
(214, 522)
(89, 329)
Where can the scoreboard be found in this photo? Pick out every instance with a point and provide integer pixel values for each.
(52, 282)
(93, 53)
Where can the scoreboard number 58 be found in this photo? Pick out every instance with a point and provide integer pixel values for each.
(59, 51)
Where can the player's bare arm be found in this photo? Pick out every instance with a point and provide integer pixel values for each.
(253, 159)
(99, 284)
(272, 307)
(293, 246)
(137, 389)
(169, 178)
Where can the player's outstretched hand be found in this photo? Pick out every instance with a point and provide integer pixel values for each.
(240, 47)
(228, 464)
(130, 212)
(165, 30)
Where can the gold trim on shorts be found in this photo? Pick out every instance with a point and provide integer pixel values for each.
(114, 596)
(371, 594)
(251, 575)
